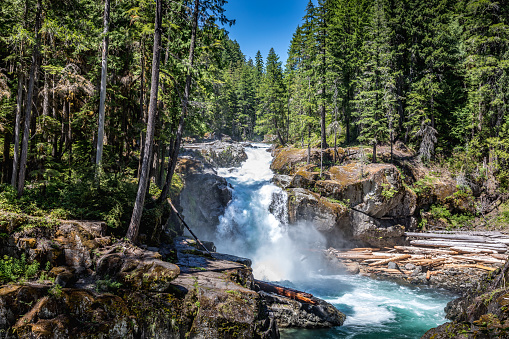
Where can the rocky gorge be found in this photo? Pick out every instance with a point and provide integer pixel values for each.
(96, 285)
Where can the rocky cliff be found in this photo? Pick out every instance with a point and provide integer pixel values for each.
(354, 202)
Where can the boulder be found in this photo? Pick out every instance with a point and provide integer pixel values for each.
(324, 215)
(218, 153)
(204, 197)
(354, 204)
(292, 313)
(289, 159)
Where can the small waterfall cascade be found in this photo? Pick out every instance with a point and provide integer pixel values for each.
(255, 225)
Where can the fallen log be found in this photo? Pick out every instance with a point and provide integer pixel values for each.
(500, 256)
(461, 249)
(467, 237)
(422, 250)
(479, 259)
(386, 261)
(437, 243)
(487, 268)
(362, 249)
(286, 292)
(430, 262)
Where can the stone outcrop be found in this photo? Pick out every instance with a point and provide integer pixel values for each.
(99, 287)
(292, 313)
(357, 203)
(366, 204)
(481, 314)
(102, 288)
(205, 194)
(218, 153)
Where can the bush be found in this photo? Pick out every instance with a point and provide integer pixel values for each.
(12, 269)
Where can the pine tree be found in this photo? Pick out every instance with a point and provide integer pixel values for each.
(377, 98)
(272, 108)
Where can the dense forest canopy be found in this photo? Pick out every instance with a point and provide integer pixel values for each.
(433, 75)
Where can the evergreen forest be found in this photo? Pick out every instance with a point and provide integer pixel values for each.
(97, 96)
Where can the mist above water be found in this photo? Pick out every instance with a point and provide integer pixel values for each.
(255, 225)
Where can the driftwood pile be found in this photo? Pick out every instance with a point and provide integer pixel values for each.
(432, 252)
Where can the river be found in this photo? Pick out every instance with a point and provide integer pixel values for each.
(254, 227)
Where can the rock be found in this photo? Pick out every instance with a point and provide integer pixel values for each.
(324, 215)
(219, 153)
(204, 197)
(282, 180)
(353, 268)
(392, 265)
(209, 298)
(482, 313)
(138, 271)
(63, 275)
(292, 313)
(288, 160)
(367, 204)
(417, 270)
(409, 267)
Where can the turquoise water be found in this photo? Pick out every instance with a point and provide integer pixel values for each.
(254, 226)
(374, 309)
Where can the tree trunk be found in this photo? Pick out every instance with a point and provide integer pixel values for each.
(187, 91)
(104, 68)
(7, 159)
(374, 151)
(142, 106)
(132, 232)
(29, 101)
(19, 107)
(309, 144)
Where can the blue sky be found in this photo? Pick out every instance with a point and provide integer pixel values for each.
(262, 24)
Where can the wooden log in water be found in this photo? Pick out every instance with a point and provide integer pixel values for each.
(286, 292)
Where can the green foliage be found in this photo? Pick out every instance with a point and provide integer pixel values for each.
(423, 186)
(388, 191)
(107, 285)
(55, 290)
(458, 220)
(14, 270)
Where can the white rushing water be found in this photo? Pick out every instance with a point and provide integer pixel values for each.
(283, 253)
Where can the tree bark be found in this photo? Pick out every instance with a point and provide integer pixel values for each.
(102, 99)
(19, 108)
(187, 91)
(29, 101)
(374, 151)
(7, 148)
(132, 232)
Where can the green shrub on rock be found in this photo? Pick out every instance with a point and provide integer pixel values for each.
(12, 269)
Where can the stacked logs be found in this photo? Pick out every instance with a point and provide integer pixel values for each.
(433, 252)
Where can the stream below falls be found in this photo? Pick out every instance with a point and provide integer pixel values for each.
(254, 226)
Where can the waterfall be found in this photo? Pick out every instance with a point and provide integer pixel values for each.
(255, 223)
(255, 226)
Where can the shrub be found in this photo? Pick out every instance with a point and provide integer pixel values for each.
(12, 269)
